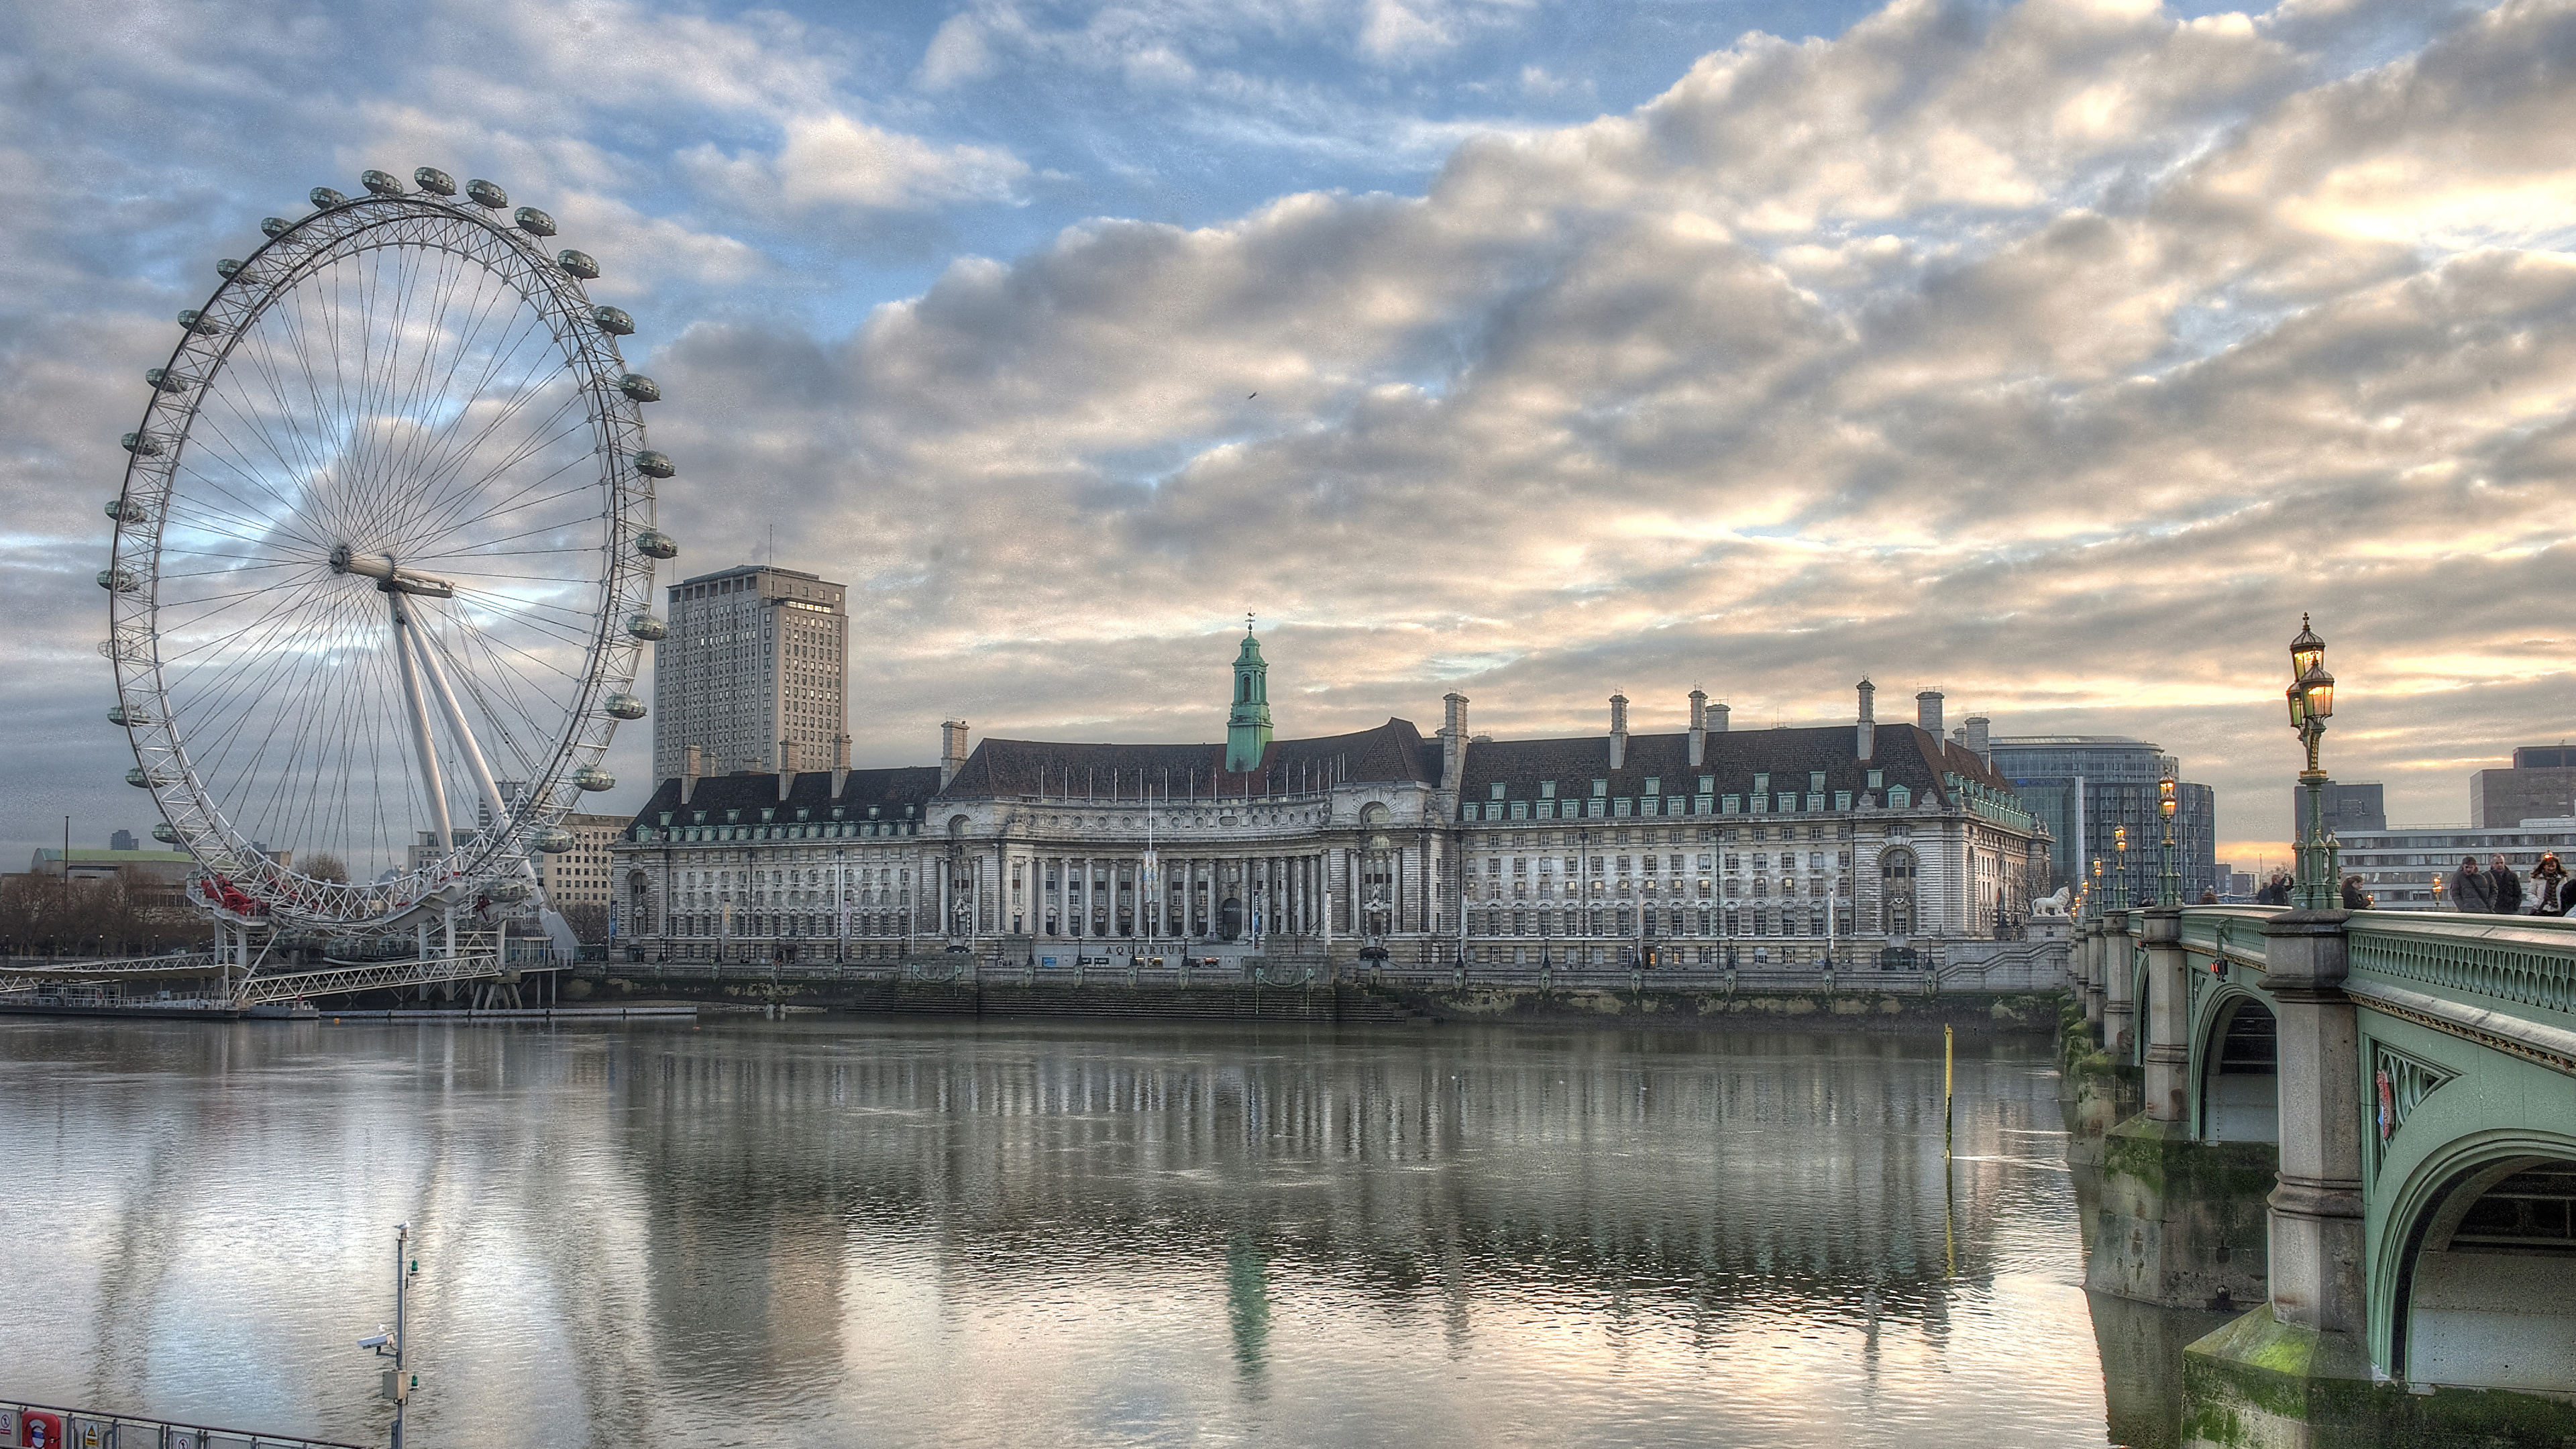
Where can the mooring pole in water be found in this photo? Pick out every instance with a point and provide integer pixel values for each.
(1945, 1089)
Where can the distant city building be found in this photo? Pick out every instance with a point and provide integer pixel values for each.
(2540, 785)
(121, 840)
(2084, 787)
(579, 876)
(1861, 843)
(2347, 807)
(2407, 869)
(754, 675)
(167, 867)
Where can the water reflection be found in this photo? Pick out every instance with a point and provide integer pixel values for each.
(898, 1233)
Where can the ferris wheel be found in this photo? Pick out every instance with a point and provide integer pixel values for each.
(384, 559)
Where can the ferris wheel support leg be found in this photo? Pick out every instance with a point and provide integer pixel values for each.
(465, 741)
(407, 656)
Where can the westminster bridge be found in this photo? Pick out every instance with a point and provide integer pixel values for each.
(2364, 1125)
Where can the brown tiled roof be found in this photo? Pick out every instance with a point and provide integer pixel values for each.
(1909, 756)
(1393, 751)
(889, 791)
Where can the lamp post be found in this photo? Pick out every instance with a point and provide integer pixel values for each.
(2311, 700)
(2169, 883)
(2120, 875)
(2093, 893)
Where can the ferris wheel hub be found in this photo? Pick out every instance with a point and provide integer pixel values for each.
(389, 576)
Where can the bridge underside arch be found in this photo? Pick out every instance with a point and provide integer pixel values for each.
(2486, 1296)
(2240, 1072)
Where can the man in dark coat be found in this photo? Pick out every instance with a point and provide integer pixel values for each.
(2506, 885)
(2471, 889)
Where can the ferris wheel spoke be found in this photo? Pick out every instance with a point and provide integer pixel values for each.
(280, 619)
(493, 361)
(502, 510)
(509, 704)
(238, 694)
(455, 489)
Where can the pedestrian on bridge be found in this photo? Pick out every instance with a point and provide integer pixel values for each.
(2507, 886)
(2549, 882)
(2472, 890)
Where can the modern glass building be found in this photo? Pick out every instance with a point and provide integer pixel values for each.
(2084, 787)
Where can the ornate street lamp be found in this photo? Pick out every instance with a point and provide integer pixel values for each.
(2168, 884)
(2093, 893)
(2311, 701)
(2120, 875)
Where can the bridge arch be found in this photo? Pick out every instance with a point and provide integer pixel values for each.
(2237, 1088)
(2480, 1265)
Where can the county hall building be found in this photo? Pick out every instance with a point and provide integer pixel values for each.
(1701, 846)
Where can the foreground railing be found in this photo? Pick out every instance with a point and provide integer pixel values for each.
(27, 1424)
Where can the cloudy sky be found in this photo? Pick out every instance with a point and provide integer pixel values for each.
(2054, 354)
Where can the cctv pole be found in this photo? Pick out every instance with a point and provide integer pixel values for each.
(402, 1276)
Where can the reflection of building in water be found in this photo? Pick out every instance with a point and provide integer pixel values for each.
(1699, 847)
(1778, 1172)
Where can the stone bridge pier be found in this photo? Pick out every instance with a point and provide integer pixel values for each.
(2360, 1128)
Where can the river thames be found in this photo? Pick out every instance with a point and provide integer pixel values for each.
(864, 1232)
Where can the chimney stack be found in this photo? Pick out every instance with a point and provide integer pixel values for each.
(692, 765)
(1618, 732)
(1927, 711)
(1978, 741)
(1717, 719)
(840, 764)
(1453, 742)
(1868, 743)
(787, 763)
(1699, 727)
(952, 750)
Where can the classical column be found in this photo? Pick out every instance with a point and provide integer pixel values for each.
(2168, 1017)
(2316, 1268)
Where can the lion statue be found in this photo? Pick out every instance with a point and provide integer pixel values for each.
(2053, 905)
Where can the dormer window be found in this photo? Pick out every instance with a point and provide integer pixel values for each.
(1498, 790)
(1878, 779)
(1600, 789)
(1547, 789)
(1654, 784)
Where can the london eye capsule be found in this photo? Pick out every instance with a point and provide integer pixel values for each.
(126, 510)
(381, 183)
(273, 225)
(141, 445)
(142, 779)
(646, 627)
(163, 833)
(554, 840)
(164, 379)
(434, 181)
(487, 194)
(613, 320)
(639, 387)
(506, 892)
(128, 715)
(533, 221)
(199, 323)
(622, 706)
(578, 264)
(227, 267)
(118, 581)
(324, 198)
(653, 543)
(592, 777)
(654, 464)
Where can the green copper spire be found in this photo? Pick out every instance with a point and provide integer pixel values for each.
(1247, 724)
